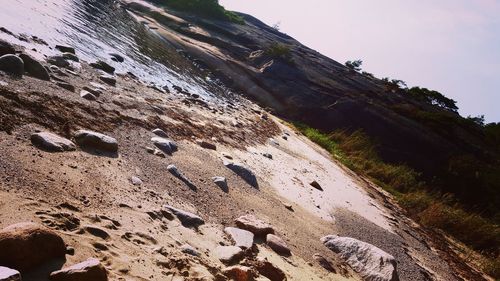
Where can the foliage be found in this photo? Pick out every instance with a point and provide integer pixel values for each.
(354, 65)
(433, 97)
(206, 8)
(477, 119)
(279, 51)
(368, 74)
(356, 151)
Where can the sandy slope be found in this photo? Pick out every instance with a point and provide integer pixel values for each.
(76, 192)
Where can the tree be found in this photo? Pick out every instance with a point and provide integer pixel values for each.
(354, 65)
(434, 98)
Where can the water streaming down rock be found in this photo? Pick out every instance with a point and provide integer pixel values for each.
(101, 30)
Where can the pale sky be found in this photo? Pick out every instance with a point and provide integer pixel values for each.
(452, 46)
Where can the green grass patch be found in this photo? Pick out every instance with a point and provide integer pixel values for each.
(206, 8)
(357, 151)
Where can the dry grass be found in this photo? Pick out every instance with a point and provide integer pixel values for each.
(356, 151)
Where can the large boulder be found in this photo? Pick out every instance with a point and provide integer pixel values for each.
(372, 263)
(90, 269)
(34, 68)
(91, 139)
(12, 64)
(52, 142)
(187, 219)
(254, 225)
(278, 245)
(245, 173)
(26, 245)
(242, 238)
(9, 274)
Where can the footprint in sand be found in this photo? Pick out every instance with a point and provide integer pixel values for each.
(59, 220)
(139, 238)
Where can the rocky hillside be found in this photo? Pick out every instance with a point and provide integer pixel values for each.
(105, 176)
(302, 85)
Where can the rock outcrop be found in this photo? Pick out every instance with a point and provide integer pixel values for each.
(372, 263)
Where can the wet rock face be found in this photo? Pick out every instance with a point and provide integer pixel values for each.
(34, 68)
(12, 64)
(52, 142)
(90, 139)
(369, 261)
(90, 269)
(9, 274)
(245, 173)
(26, 245)
(254, 225)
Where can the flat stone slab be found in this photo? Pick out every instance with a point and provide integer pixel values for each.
(254, 225)
(9, 274)
(52, 142)
(369, 261)
(278, 245)
(91, 139)
(242, 238)
(90, 269)
(228, 254)
(187, 219)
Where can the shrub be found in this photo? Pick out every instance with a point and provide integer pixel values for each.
(358, 152)
(206, 8)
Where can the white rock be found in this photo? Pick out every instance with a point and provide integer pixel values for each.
(242, 238)
(8, 274)
(372, 263)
